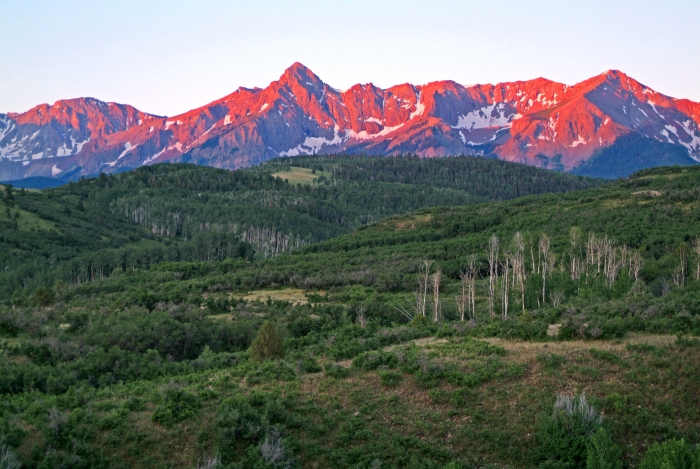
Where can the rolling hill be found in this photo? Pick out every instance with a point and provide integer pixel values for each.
(135, 219)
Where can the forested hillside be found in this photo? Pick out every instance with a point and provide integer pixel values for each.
(275, 213)
(631, 153)
(488, 179)
(555, 330)
(87, 229)
(61, 237)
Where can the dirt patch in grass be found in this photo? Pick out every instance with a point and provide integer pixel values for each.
(412, 223)
(648, 193)
(524, 351)
(295, 296)
(427, 341)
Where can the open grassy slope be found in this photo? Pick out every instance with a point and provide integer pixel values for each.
(394, 414)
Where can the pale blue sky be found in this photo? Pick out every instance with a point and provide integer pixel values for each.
(166, 57)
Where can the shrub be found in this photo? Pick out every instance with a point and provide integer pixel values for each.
(550, 361)
(58, 426)
(268, 344)
(43, 297)
(310, 365)
(603, 453)
(671, 454)
(390, 378)
(272, 450)
(419, 321)
(336, 371)
(212, 462)
(607, 356)
(255, 423)
(270, 372)
(175, 406)
(563, 437)
(372, 360)
(8, 458)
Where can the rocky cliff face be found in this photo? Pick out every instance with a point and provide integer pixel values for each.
(537, 122)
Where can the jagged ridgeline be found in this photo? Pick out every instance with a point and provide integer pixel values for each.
(85, 230)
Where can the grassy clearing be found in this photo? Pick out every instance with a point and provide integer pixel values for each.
(637, 384)
(292, 295)
(27, 221)
(297, 175)
(527, 351)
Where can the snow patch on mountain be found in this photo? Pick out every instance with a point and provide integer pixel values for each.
(154, 157)
(579, 141)
(364, 135)
(420, 108)
(694, 144)
(312, 145)
(127, 148)
(653, 106)
(542, 98)
(12, 151)
(64, 150)
(668, 137)
(8, 125)
(485, 117)
(75, 148)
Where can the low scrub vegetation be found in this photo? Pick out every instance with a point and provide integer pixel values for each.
(550, 331)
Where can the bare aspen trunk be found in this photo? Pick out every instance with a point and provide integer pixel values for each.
(544, 246)
(462, 298)
(472, 294)
(361, 318)
(519, 265)
(696, 248)
(575, 240)
(624, 251)
(636, 263)
(472, 287)
(423, 285)
(493, 272)
(683, 257)
(436, 278)
(505, 267)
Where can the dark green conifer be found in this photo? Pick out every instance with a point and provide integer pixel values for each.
(268, 343)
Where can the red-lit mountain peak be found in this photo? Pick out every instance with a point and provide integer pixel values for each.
(534, 121)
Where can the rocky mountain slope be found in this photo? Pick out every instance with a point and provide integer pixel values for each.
(537, 122)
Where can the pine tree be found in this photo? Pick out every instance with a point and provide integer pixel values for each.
(603, 453)
(268, 343)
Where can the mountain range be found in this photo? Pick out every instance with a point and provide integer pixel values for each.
(582, 128)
